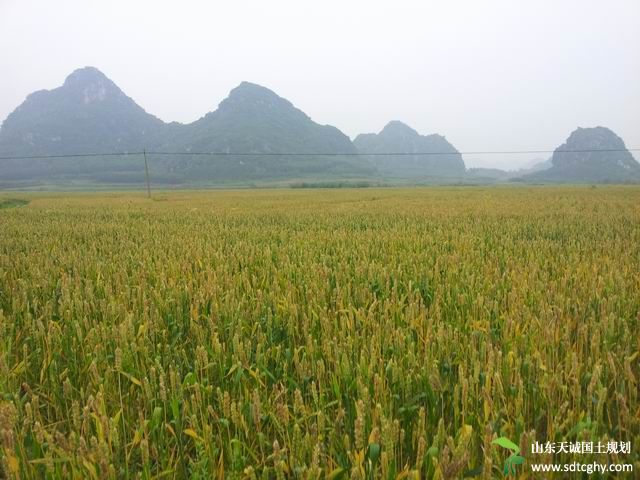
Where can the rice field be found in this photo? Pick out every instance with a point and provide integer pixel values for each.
(364, 333)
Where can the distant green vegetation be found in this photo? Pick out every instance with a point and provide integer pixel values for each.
(335, 184)
(12, 202)
(252, 119)
(253, 137)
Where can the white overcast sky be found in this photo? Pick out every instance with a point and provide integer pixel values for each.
(489, 75)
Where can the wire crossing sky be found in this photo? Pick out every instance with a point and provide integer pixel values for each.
(490, 76)
(308, 154)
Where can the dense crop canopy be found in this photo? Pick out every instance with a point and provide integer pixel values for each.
(354, 333)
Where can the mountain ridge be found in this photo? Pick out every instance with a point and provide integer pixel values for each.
(90, 113)
(594, 154)
(398, 137)
(63, 120)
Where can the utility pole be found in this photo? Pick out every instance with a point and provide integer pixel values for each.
(146, 172)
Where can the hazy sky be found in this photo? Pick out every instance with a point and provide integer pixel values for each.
(489, 75)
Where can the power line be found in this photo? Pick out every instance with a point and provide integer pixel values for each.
(383, 154)
(316, 154)
(72, 155)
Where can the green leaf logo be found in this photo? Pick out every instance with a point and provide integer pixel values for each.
(514, 459)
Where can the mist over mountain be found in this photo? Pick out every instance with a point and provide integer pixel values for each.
(579, 161)
(90, 114)
(489, 175)
(536, 165)
(499, 175)
(397, 137)
(253, 119)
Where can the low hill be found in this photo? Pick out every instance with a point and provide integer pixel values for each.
(492, 175)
